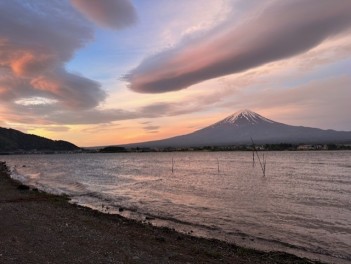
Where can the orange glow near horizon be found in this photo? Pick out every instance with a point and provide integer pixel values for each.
(128, 132)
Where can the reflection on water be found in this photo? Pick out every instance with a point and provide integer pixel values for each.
(303, 205)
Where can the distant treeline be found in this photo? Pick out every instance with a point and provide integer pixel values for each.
(113, 150)
(265, 147)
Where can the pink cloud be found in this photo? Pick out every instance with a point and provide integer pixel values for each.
(282, 30)
(31, 64)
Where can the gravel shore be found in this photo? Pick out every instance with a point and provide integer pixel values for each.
(37, 227)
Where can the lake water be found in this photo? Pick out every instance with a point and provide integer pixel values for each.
(302, 206)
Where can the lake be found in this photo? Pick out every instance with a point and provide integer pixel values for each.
(301, 206)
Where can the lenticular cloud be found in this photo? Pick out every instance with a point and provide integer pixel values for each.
(283, 29)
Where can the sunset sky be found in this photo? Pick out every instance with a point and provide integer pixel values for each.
(117, 71)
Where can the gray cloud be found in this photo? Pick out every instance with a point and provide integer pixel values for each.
(152, 131)
(151, 128)
(103, 127)
(50, 114)
(37, 38)
(145, 122)
(100, 116)
(93, 116)
(108, 13)
(48, 128)
(72, 90)
(57, 128)
(281, 30)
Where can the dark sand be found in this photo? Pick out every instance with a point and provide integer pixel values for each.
(41, 228)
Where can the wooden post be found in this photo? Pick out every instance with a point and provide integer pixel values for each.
(218, 164)
(172, 165)
(253, 158)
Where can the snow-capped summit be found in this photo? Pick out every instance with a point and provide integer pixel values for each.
(241, 126)
(243, 117)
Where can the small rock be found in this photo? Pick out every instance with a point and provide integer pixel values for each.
(121, 209)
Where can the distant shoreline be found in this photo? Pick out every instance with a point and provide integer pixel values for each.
(266, 147)
(39, 227)
(258, 147)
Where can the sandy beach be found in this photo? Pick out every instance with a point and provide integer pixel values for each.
(36, 227)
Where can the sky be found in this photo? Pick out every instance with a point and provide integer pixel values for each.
(111, 72)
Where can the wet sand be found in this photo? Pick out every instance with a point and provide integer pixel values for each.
(36, 227)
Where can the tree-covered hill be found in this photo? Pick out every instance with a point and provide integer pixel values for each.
(13, 140)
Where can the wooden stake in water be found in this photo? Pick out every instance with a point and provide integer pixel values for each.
(172, 165)
(218, 164)
(263, 165)
(253, 158)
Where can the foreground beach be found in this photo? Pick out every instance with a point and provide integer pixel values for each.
(40, 228)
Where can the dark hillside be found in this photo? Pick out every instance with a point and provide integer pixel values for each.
(12, 140)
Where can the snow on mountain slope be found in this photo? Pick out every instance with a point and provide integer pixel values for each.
(242, 117)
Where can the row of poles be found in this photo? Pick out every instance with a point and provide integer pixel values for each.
(254, 151)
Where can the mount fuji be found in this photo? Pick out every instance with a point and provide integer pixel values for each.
(240, 127)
